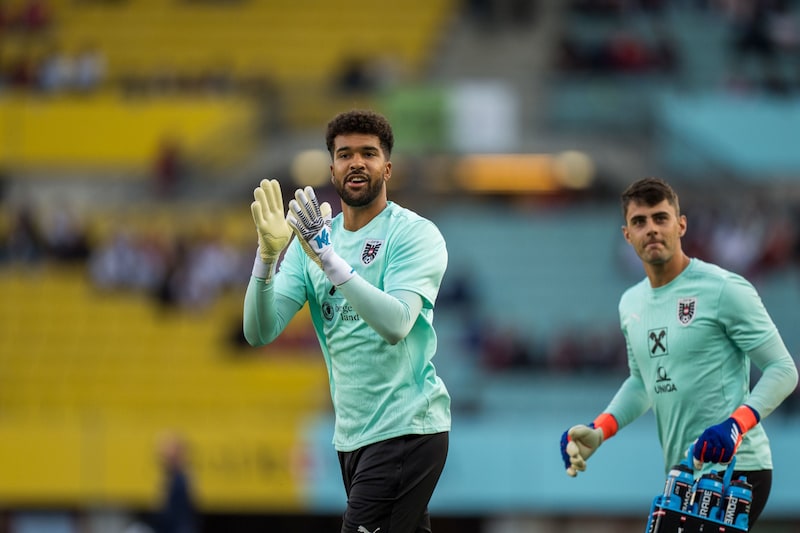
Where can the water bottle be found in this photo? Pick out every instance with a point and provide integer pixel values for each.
(708, 496)
(736, 504)
(678, 488)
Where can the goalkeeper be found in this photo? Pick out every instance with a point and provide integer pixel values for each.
(370, 276)
(691, 330)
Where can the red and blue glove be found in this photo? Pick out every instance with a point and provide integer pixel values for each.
(718, 444)
(579, 442)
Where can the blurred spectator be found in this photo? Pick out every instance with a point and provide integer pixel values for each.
(25, 243)
(66, 236)
(90, 69)
(33, 16)
(752, 39)
(178, 513)
(56, 71)
(169, 167)
(356, 77)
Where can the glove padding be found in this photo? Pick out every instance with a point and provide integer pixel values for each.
(718, 444)
(577, 445)
(274, 233)
(311, 222)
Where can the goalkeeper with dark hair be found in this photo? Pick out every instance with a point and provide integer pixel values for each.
(370, 276)
(691, 330)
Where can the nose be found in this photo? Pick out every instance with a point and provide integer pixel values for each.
(356, 161)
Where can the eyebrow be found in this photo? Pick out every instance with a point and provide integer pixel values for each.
(656, 214)
(363, 148)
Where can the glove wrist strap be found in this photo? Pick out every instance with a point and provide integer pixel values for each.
(263, 270)
(336, 268)
(608, 424)
(746, 417)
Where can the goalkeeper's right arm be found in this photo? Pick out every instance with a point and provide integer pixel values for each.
(579, 442)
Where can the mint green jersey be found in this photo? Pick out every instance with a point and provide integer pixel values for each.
(688, 345)
(379, 390)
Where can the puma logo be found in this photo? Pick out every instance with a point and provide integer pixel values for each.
(362, 529)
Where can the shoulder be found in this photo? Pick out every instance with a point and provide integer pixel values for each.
(712, 275)
(406, 221)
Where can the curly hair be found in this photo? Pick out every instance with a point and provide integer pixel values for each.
(361, 121)
(649, 191)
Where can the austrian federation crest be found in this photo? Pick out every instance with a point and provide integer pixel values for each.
(686, 310)
(370, 251)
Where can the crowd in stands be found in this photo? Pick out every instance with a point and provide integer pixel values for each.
(185, 271)
(190, 269)
(761, 43)
(37, 62)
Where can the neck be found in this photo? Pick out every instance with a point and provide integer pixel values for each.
(661, 274)
(356, 218)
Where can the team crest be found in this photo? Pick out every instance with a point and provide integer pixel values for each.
(686, 310)
(371, 249)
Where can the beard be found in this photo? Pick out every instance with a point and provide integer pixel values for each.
(360, 198)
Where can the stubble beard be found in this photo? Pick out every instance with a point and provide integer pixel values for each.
(362, 198)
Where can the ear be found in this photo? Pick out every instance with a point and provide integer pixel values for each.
(332, 176)
(626, 234)
(683, 224)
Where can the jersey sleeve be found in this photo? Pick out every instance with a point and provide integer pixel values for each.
(631, 400)
(778, 376)
(743, 314)
(269, 306)
(418, 262)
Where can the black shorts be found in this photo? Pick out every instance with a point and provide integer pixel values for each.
(390, 483)
(761, 480)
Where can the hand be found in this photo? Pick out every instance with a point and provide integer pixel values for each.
(273, 231)
(311, 222)
(577, 445)
(718, 444)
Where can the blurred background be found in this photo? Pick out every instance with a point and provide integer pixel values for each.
(132, 133)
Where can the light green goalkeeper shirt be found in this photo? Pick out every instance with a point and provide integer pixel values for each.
(690, 344)
(379, 389)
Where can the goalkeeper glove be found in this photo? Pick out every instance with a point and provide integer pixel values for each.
(273, 231)
(718, 444)
(581, 441)
(312, 224)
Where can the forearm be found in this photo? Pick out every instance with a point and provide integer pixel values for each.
(630, 402)
(391, 315)
(265, 315)
(778, 379)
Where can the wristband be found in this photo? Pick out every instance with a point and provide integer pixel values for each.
(607, 423)
(746, 418)
(262, 269)
(335, 268)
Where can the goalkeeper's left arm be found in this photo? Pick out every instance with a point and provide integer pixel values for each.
(391, 314)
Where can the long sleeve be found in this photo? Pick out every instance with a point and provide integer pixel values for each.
(265, 313)
(778, 378)
(391, 315)
(630, 402)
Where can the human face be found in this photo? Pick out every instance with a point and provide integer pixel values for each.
(654, 231)
(359, 170)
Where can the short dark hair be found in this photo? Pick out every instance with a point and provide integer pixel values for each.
(361, 121)
(649, 191)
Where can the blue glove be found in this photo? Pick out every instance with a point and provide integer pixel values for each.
(718, 444)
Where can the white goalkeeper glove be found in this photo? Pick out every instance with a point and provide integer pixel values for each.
(274, 233)
(312, 224)
(583, 442)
